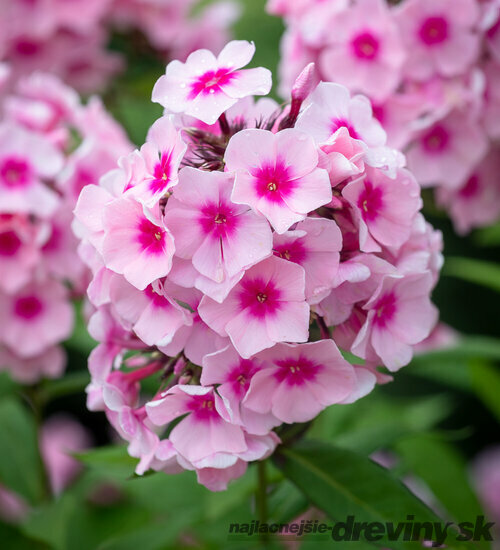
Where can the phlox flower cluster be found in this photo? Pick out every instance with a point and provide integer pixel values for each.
(70, 39)
(51, 145)
(432, 71)
(236, 253)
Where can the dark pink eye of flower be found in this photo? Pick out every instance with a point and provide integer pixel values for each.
(292, 251)
(436, 140)
(471, 188)
(218, 220)
(385, 309)
(273, 182)
(209, 82)
(297, 371)
(82, 178)
(15, 172)
(28, 307)
(203, 407)
(365, 46)
(162, 174)
(370, 201)
(434, 30)
(27, 47)
(9, 243)
(240, 376)
(342, 123)
(259, 297)
(151, 237)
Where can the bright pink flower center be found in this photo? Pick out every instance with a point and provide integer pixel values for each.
(297, 371)
(28, 307)
(294, 251)
(203, 407)
(259, 298)
(365, 46)
(27, 47)
(157, 300)
(370, 202)
(10, 243)
(379, 112)
(337, 123)
(274, 182)
(436, 140)
(218, 220)
(82, 178)
(471, 188)
(240, 375)
(385, 309)
(434, 30)
(150, 237)
(162, 174)
(210, 82)
(15, 172)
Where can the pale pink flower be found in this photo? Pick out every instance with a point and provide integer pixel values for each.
(161, 154)
(206, 86)
(204, 436)
(277, 175)
(136, 244)
(221, 238)
(29, 370)
(314, 244)
(266, 306)
(364, 51)
(385, 207)
(299, 381)
(331, 107)
(400, 314)
(486, 477)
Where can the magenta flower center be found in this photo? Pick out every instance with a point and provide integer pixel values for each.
(27, 47)
(436, 140)
(337, 123)
(297, 371)
(434, 30)
(82, 178)
(203, 407)
(273, 182)
(10, 243)
(259, 298)
(293, 251)
(365, 46)
(15, 172)
(162, 174)
(385, 309)
(218, 220)
(210, 82)
(150, 237)
(370, 202)
(471, 188)
(240, 375)
(28, 307)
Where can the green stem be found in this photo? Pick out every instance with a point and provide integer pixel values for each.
(261, 498)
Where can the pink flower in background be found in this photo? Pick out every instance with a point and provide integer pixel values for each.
(35, 317)
(364, 52)
(486, 477)
(205, 86)
(277, 175)
(434, 31)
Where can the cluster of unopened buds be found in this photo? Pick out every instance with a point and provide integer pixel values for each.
(51, 145)
(432, 71)
(226, 249)
(70, 39)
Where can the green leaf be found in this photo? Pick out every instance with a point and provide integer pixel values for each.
(475, 271)
(486, 383)
(112, 460)
(343, 483)
(20, 465)
(488, 236)
(444, 471)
